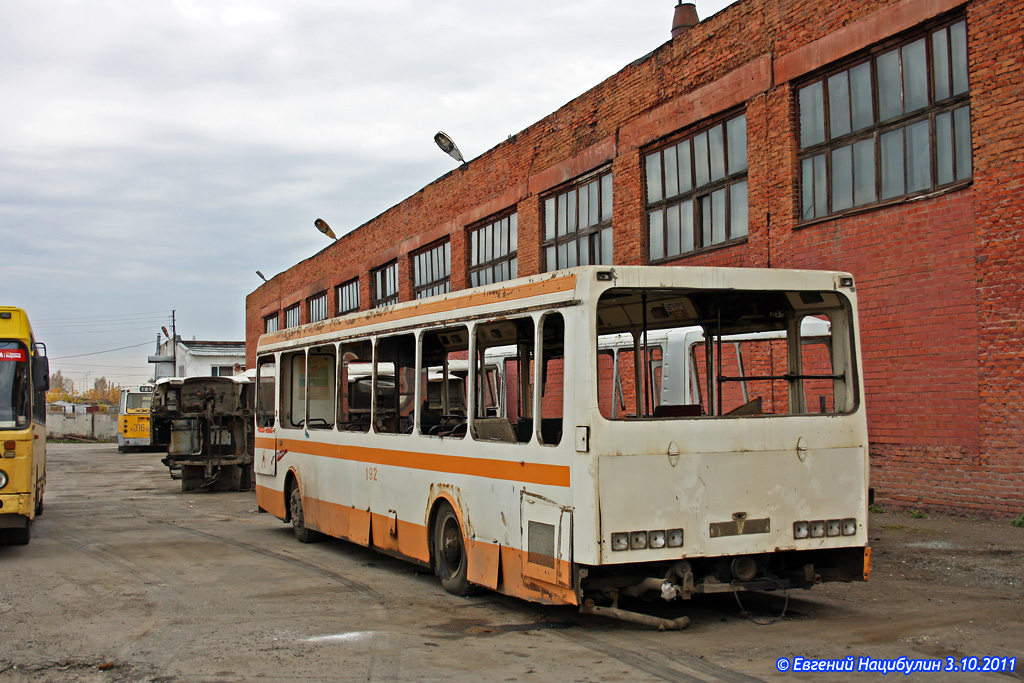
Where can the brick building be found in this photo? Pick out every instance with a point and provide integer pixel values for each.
(879, 137)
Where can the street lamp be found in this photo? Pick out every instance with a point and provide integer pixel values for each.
(448, 146)
(322, 226)
(261, 276)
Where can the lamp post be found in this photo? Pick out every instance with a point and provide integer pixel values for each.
(448, 146)
(322, 226)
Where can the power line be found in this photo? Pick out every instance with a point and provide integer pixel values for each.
(119, 329)
(95, 365)
(159, 314)
(108, 375)
(96, 353)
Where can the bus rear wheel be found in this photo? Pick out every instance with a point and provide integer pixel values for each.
(302, 533)
(20, 536)
(450, 562)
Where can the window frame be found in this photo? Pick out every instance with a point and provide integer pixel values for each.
(316, 307)
(501, 225)
(436, 259)
(275, 319)
(700, 195)
(296, 310)
(386, 274)
(552, 241)
(817, 159)
(342, 293)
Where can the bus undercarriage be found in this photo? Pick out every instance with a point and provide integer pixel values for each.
(206, 425)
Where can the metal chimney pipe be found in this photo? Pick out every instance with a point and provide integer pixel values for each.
(685, 18)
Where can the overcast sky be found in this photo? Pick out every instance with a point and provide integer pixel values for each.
(154, 155)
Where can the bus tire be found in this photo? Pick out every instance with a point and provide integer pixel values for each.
(450, 552)
(302, 533)
(20, 536)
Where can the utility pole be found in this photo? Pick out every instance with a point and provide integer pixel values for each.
(174, 342)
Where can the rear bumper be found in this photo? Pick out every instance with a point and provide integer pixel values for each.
(15, 510)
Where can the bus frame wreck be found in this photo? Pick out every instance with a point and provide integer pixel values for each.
(206, 424)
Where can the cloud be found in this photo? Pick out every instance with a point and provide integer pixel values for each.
(155, 154)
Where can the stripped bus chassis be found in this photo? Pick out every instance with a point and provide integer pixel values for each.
(206, 424)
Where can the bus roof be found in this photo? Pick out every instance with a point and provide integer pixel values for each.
(14, 324)
(559, 288)
(244, 378)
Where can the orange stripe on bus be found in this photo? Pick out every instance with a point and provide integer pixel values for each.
(566, 283)
(531, 473)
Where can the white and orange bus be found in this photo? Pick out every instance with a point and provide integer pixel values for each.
(575, 474)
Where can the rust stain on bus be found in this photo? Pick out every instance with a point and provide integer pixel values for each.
(565, 283)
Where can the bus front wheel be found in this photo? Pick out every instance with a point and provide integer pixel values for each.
(450, 552)
(303, 533)
(20, 536)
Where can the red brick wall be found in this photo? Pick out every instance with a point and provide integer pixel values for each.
(939, 278)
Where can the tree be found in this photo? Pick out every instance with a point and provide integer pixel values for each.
(63, 389)
(59, 381)
(102, 392)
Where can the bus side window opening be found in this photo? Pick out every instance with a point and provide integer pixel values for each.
(355, 385)
(394, 381)
(502, 381)
(266, 382)
(293, 389)
(444, 363)
(320, 389)
(552, 381)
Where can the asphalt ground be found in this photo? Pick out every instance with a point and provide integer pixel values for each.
(128, 579)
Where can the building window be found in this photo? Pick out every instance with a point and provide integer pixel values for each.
(222, 370)
(291, 316)
(384, 285)
(578, 224)
(431, 271)
(493, 251)
(348, 297)
(697, 190)
(318, 307)
(891, 125)
(270, 324)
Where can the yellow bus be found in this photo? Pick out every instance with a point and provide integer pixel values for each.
(133, 428)
(599, 463)
(24, 379)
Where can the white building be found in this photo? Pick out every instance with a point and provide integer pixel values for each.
(192, 358)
